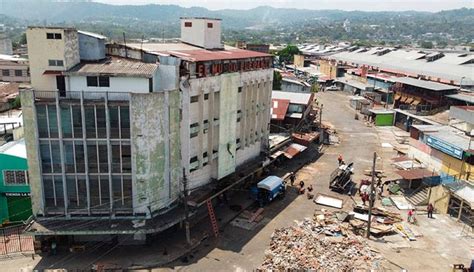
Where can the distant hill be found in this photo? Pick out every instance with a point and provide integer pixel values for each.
(153, 20)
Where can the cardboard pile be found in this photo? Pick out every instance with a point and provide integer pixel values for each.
(323, 244)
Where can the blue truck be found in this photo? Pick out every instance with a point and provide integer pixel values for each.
(268, 189)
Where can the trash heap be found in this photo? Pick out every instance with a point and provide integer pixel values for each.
(323, 243)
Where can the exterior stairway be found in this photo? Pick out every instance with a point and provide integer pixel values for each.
(419, 197)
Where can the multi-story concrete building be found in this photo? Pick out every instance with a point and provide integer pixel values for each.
(114, 139)
(14, 69)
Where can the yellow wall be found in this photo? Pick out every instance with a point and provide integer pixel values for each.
(328, 68)
(452, 166)
(439, 197)
(298, 60)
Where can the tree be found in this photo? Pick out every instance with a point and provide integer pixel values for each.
(287, 53)
(426, 44)
(276, 80)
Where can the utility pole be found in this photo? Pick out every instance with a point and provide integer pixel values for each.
(321, 131)
(186, 207)
(371, 195)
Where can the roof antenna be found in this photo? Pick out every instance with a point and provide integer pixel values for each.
(125, 43)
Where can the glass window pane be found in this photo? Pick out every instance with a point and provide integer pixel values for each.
(66, 122)
(58, 188)
(69, 156)
(56, 156)
(103, 162)
(71, 192)
(82, 191)
(90, 121)
(42, 121)
(117, 191)
(53, 121)
(80, 162)
(45, 157)
(125, 122)
(48, 188)
(126, 159)
(94, 191)
(101, 122)
(92, 157)
(105, 192)
(116, 167)
(127, 191)
(77, 121)
(114, 122)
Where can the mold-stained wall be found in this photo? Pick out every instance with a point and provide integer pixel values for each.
(155, 150)
(227, 124)
(91, 48)
(71, 48)
(31, 141)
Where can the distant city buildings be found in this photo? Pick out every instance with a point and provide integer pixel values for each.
(5, 42)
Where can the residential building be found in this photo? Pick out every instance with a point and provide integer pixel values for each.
(14, 69)
(15, 202)
(290, 84)
(112, 131)
(289, 109)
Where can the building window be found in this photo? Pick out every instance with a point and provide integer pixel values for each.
(18, 73)
(53, 36)
(188, 24)
(194, 130)
(209, 25)
(102, 81)
(15, 177)
(206, 96)
(194, 98)
(5, 72)
(193, 164)
(59, 63)
(239, 89)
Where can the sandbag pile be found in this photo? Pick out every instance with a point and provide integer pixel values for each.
(322, 244)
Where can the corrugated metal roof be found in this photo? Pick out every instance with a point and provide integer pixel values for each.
(415, 173)
(430, 85)
(293, 97)
(114, 67)
(412, 62)
(279, 108)
(14, 148)
(462, 97)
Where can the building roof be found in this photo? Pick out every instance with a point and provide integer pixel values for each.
(194, 54)
(11, 58)
(14, 148)
(382, 111)
(8, 91)
(354, 83)
(415, 173)
(295, 81)
(452, 136)
(279, 108)
(453, 66)
(430, 85)
(115, 67)
(91, 34)
(466, 97)
(467, 194)
(270, 183)
(293, 97)
(201, 18)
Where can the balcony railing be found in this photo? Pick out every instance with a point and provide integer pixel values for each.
(88, 95)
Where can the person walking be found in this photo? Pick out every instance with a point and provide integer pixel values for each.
(339, 159)
(411, 216)
(430, 209)
(292, 178)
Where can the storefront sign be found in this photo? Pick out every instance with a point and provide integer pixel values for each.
(16, 194)
(444, 147)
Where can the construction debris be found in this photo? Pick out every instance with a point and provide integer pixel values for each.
(323, 244)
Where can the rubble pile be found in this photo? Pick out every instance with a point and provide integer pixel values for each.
(322, 243)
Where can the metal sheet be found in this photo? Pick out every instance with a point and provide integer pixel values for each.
(401, 203)
(328, 201)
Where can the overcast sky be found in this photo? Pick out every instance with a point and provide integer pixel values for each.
(368, 5)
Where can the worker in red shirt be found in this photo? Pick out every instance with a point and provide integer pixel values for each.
(340, 160)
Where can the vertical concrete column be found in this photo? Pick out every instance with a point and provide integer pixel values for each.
(86, 158)
(210, 131)
(166, 127)
(61, 152)
(201, 125)
(109, 153)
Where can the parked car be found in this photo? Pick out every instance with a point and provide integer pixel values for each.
(332, 88)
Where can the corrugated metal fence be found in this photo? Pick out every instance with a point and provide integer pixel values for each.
(13, 240)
